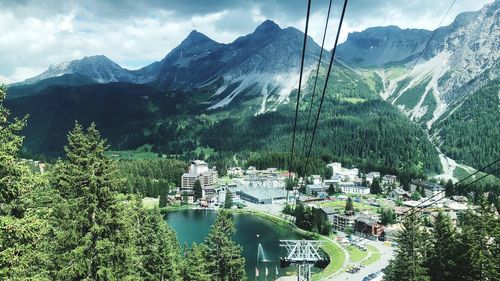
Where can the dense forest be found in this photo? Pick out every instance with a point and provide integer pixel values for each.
(471, 133)
(151, 177)
(446, 253)
(75, 222)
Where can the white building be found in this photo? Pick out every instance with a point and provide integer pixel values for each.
(354, 189)
(370, 176)
(198, 170)
(316, 179)
(347, 174)
(235, 172)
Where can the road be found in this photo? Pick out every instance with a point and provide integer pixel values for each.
(386, 255)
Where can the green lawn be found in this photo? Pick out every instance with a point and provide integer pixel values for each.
(374, 257)
(341, 205)
(461, 173)
(353, 100)
(141, 153)
(150, 203)
(337, 258)
(356, 254)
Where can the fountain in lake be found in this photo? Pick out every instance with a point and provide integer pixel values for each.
(262, 255)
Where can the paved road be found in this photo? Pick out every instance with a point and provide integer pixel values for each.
(386, 255)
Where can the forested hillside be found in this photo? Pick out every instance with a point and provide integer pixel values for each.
(471, 133)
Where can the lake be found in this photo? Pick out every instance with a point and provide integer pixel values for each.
(194, 225)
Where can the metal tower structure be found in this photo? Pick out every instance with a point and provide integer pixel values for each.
(304, 254)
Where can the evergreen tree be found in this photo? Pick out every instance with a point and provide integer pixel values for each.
(228, 202)
(375, 187)
(442, 253)
(222, 255)
(415, 195)
(158, 248)
(185, 198)
(449, 188)
(331, 189)
(195, 266)
(478, 245)
(388, 216)
(24, 205)
(163, 197)
(408, 264)
(349, 207)
(93, 236)
(198, 191)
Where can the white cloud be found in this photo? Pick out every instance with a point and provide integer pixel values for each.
(33, 35)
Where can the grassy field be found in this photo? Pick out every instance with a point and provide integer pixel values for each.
(341, 205)
(141, 153)
(337, 258)
(356, 254)
(353, 100)
(461, 173)
(374, 257)
(150, 202)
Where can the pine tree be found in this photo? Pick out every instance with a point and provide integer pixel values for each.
(442, 253)
(449, 188)
(198, 191)
(349, 207)
(221, 253)
(375, 187)
(408, 263)
(158, 248)
(163, 197)
(228, 202)
(195, 266)
(92, 237)
(331, 189)
(388, 216)
(24, 206)
(478, 245)
(11, 186)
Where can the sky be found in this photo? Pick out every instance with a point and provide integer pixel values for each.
(35, 34)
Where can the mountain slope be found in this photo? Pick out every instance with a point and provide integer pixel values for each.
(378, 46)
(264, 63)
(100, 69)
(471, 132)
(461, 59)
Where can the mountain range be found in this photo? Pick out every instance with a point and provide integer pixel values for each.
(205, 84)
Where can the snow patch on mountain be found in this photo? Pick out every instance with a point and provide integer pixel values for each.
(273, 88)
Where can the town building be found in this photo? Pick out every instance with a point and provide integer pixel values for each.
(368, 227)
(333, 180)
(235, 172)
(345, 173)
(313, 189)
(389, 180)
(316, 179)
(372, 175)
(399, 194)
(342, 221)
(354, 189)
(198, 170)
(430, 189)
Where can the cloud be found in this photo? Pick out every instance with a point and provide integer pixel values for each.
(35, 34)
